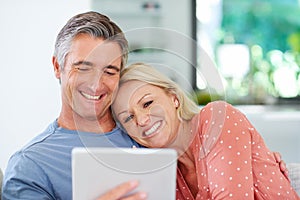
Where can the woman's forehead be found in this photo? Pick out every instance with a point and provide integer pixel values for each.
(129, 88)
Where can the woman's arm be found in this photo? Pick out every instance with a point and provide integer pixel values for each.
(239, 165)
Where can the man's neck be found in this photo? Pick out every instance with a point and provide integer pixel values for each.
(102, 124)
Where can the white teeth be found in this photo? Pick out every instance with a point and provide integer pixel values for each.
(90, 96)
(152, 129)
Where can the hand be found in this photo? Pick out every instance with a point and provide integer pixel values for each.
(121, 190)
(282, 165)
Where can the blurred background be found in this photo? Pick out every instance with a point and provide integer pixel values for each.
(243, 51)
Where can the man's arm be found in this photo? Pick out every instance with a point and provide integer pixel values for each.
(25, 180)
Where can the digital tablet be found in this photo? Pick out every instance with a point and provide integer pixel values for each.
(97, 170)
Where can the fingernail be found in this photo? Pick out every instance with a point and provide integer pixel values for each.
(143, 195)
(134, 183)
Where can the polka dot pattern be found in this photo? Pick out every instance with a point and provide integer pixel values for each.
(232, 160)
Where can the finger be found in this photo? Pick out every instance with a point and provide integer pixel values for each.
(286, 174)
(277, 156)
(136, 196)
(282, 166)
(119, 191)
(284, 169)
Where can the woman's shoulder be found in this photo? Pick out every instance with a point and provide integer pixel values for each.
(216, 105)
(218, 109)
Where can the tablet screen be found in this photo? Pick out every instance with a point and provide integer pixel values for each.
(97, 170)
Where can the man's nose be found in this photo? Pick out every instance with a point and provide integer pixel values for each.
(96, 79)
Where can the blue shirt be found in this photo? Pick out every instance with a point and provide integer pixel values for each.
(42, 169)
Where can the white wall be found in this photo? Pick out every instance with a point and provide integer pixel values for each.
(30, 95)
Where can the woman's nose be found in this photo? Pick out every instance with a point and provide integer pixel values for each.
(143, 118)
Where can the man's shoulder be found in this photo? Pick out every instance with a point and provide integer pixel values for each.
(39, 164)
(48, 132)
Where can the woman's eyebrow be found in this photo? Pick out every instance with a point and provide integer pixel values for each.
(144, 96)
(123, 112)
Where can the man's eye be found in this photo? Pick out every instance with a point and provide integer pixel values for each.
(110, 72)
(84, 69)
(130, 117)
(148, 103)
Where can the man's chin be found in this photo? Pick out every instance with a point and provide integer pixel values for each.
(92, 113)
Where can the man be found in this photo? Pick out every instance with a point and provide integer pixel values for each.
(90, 51)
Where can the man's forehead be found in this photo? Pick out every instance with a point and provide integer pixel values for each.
(108, 48)
(97, 59)
(85, 42)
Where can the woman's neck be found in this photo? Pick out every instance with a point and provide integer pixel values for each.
(184, 138)
(187, 167)
(186, 159)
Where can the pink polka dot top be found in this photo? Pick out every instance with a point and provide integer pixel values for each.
(232, 160)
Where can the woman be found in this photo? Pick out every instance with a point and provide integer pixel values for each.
(221, 155)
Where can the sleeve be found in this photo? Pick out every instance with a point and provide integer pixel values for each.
(24, 179)
(239, 164)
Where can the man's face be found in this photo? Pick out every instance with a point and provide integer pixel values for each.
(90, 78)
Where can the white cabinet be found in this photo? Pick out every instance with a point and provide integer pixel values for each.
(159, 32)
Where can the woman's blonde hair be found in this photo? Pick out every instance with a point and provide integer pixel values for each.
(148, 74)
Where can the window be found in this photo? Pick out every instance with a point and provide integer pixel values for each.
(256, 47)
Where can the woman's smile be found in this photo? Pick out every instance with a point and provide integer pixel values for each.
(153, 130)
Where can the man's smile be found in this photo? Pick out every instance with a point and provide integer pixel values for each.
(92, 97)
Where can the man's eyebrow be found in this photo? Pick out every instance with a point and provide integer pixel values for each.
(83, 62)
(88, 63)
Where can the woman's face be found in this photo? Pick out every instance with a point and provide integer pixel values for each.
(147, 113)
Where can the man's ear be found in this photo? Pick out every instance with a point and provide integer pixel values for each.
(57, 69)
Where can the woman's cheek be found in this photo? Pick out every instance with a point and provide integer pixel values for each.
(158, 110)
(131, 131)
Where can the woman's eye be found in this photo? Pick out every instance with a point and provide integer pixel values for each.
(128, 118)
(147, 104)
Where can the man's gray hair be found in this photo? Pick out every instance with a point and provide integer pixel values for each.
(94, 24)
